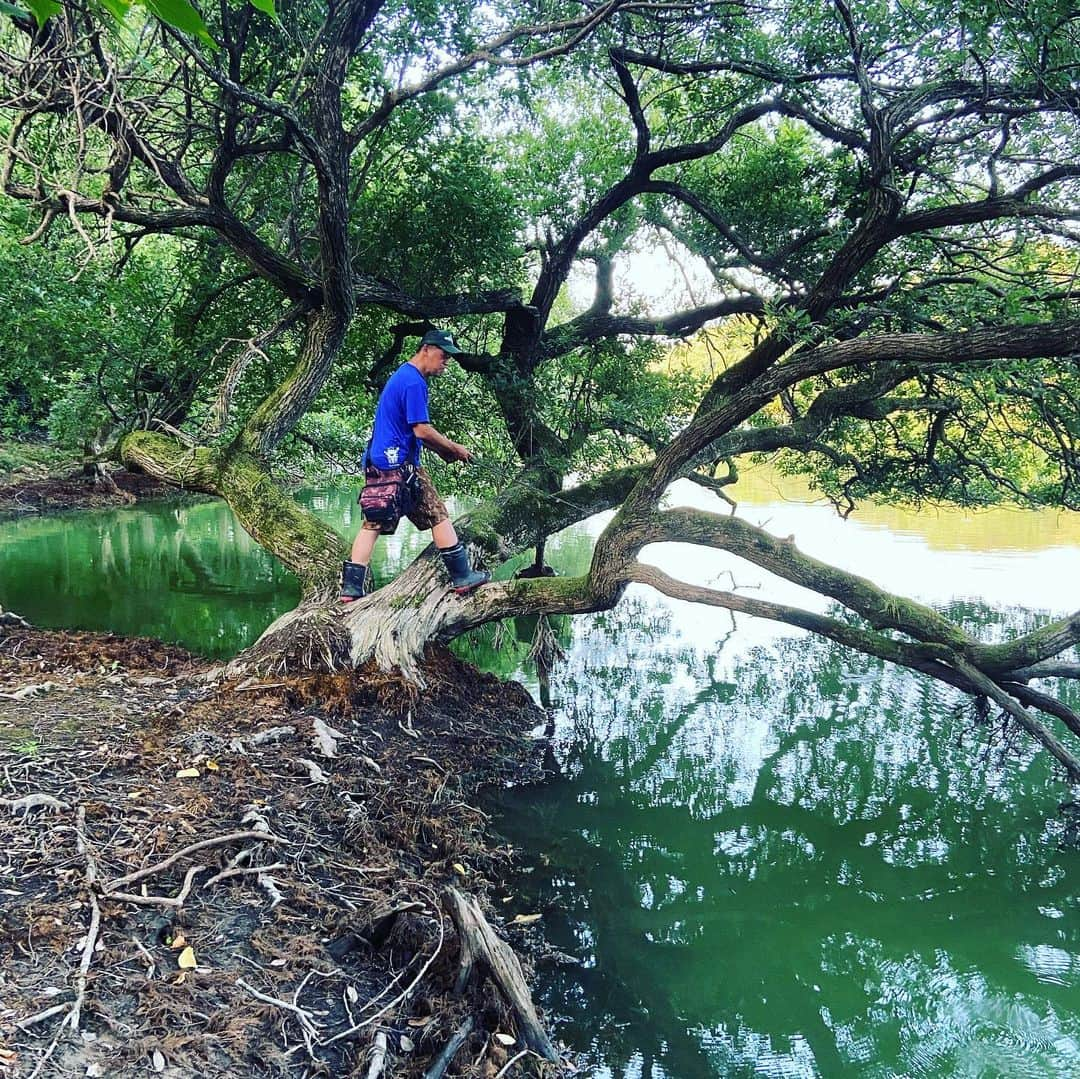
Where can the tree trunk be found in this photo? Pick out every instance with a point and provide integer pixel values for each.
(394, 625)
(296, 537)
(93, 466)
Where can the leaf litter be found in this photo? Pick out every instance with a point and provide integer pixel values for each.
(247, 920)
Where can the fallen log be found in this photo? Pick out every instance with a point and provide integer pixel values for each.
(481, 944)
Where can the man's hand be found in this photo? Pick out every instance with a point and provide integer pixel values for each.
(446, 448)
(457, 452)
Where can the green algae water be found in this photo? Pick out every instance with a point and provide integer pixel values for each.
(757, 854)
(184, 572)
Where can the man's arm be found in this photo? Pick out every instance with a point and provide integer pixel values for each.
(446, 448)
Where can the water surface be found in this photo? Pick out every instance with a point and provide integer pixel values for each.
(758, 853)
(761, 854)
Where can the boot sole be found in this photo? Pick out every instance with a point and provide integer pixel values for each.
(468, 588)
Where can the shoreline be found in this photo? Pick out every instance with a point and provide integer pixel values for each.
(335, 939)
(25, 496)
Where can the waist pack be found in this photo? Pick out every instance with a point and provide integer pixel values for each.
(389, 493)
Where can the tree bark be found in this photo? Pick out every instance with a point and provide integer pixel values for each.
(480, 944)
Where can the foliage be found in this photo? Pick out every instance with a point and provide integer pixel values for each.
(873, 209)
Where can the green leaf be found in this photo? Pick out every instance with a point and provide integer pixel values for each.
(267, 7)
(42, 9)
(118, 9)
(181, 15)
(13, 11)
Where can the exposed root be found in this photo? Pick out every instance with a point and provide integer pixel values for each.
(262, 738)
(315, 773)
(217, 841)
(378, 1057)
(326, 738)
(36, 800)
(343, 923)
(311, 637)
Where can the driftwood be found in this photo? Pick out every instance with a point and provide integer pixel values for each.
(480, 943)
(442, 1061)
(10, 618)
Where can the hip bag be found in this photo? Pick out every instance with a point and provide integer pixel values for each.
(389, 493)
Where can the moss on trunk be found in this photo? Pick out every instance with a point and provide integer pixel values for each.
(295, 536)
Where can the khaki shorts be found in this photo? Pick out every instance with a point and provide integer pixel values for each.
(428, 511)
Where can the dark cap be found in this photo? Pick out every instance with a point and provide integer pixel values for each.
(440, 339)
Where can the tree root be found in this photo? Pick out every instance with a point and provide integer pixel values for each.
(149, 871)
(74, 1013)
(32, 801)
(309, 638)
(479, 942)
(378, 1057)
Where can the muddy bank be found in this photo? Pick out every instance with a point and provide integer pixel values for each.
(23, 493)
(263, 878)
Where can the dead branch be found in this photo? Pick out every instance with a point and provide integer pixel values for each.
(40, 1017)
(403, 995)
(479, 942)
(95, 919)
(443, 1060)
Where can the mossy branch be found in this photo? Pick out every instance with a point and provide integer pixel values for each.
(883, 610)
(296, 537)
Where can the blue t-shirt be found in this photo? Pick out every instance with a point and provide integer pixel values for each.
(403, 402)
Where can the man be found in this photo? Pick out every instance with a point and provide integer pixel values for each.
(401, 426)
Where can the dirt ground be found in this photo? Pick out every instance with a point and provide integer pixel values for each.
(252, 879)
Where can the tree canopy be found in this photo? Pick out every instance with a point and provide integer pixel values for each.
(874, 209)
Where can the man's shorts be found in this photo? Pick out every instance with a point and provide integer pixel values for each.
(428, 509)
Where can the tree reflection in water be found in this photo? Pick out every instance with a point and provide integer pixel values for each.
(182, 572)
(792, 860)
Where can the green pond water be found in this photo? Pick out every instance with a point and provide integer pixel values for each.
(757, 854)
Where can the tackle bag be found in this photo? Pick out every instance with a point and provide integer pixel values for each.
(389, 493)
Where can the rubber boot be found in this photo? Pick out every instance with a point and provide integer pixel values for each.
(353, 579)
(463, 578)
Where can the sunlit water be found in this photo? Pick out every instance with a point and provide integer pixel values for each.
(759, 854)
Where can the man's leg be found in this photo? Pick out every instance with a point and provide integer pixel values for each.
(456, 559)
(444, 534)
(430, 512)
(364, 544)
(354, 572)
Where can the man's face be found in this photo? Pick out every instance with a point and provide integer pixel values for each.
(437, 359)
